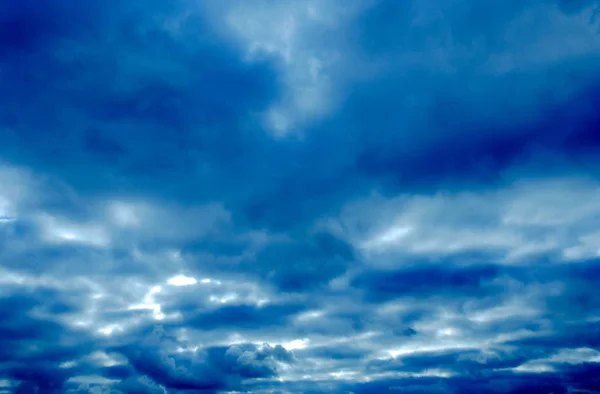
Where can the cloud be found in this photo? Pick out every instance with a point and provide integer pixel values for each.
(243, 316)
(305, 263)
(305, 39)
(35, 345)
(304, 197)
(139, 385)
(519, 220)
(213, 368)
(427, 281)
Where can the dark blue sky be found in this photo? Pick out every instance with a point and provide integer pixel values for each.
(259, 196)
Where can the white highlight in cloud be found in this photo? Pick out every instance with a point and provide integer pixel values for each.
(124, 215)
(296, 344)
(345, 375)
(310, 315)
(56, 230)
(182, 280)
(395, 234)
(107, 360)
(109, 329)
(563, 356)
(417, 347)
(67, 364)
(150, 304)
(533, 368)
(6, 210)
(448, 332)
(224, 299)
(516, 307)
(207, 281)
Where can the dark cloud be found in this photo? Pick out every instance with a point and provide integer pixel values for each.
(431, 118)
(244, 316)
(33, 347)
(339, 353)
(427, 281)
(306, 263)
(212, 368)
(97, 49)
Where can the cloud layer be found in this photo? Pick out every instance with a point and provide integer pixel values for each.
(299, 197)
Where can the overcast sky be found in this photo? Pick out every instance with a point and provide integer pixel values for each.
(262, 196)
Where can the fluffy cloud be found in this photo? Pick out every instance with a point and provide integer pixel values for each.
(299, 197)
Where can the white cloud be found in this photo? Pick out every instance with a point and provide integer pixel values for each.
(55, 230)
(124, 215)
(292, 32)
(141, 219)
(296, 344)
(182, 280)
(17, 189)
(526, 218)
(568, 356)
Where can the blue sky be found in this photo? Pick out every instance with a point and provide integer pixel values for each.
(259, 196)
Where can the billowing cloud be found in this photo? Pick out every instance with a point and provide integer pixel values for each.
(299, 197)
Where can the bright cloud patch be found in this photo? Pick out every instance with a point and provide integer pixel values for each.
(555, 216)
(299, 197)
(182, 280)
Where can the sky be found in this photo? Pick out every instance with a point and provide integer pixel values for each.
(299, 196)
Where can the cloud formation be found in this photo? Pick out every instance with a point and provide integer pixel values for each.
(299, 197)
